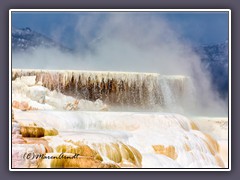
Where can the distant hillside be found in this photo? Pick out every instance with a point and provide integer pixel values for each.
(215, 59)
(27, 39)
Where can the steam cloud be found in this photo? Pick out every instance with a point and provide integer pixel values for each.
(136, 42)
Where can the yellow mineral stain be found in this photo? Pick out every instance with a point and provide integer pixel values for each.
(212, 144)
(50, 132)
(84, 162)
(137, 155)
(57, 163)
(131, 154)
(194, 126)
(81, 162)
(108, 165)
(113, 152)
(167, 151)
(77, 162)
(82, 150)
(219, 161)
(119, 153)
(186, 147)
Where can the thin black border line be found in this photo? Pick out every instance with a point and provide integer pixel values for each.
(123, 169)
(95, 11)
(229, 81)
(10, 34)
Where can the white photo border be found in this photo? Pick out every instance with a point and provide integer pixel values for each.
(120, 10)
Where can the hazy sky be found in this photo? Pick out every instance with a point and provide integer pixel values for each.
(196, 27)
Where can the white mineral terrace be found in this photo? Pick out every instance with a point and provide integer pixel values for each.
(72, 112)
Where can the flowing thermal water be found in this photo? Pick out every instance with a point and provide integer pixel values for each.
(128, 118)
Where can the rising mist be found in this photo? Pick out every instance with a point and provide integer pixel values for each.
(136, 42)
